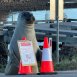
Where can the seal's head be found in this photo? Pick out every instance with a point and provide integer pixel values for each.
(27, 17)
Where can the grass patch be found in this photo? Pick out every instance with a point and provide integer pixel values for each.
(2, 68)
(66, 65)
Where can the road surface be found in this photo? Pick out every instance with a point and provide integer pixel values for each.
(59, 74)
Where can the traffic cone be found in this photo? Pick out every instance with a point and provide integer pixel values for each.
(47, 63)
(23, 38)
(24, 69)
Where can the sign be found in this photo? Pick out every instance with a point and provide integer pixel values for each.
(26, 53)
(61, 9)
(53, 9)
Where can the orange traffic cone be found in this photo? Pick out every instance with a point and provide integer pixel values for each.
(24, 69)
(47, 63)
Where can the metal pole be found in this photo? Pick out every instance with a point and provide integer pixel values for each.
(12, 17)
(57, 19)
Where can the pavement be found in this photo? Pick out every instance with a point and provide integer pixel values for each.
(59, 74)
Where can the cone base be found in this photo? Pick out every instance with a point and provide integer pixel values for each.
(24, 69)
(30, 74)
(47, 67)
(49, 73)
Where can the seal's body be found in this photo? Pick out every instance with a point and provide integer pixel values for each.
(24, 27)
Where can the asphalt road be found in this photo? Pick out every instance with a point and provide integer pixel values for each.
(59, 74)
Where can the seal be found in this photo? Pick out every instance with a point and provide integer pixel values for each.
(24, 27)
